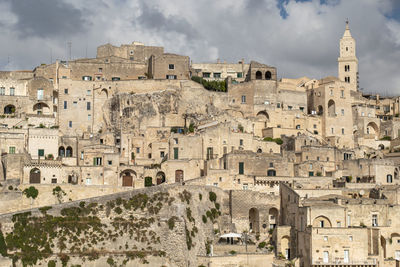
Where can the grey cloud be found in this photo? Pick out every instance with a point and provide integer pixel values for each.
(46, 18)
(152, 19)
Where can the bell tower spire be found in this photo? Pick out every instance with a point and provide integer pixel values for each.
(347, 61)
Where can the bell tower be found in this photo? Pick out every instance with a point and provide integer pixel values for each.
(347, 61)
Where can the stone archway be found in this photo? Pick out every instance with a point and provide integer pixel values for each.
(61, 151)
(268, 75)
(331, 108)
(258, 75)
(322, 221)
(9, 109)
(128, 177)
(273, 217)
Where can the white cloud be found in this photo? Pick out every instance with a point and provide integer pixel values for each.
(305, 43)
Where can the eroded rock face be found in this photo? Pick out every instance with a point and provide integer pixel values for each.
(162, 108)
(171, 225)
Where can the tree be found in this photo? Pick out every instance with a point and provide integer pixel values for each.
(31, 192)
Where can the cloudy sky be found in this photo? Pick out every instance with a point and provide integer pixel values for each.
(298, 37)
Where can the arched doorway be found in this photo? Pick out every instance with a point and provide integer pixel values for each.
(41, 108)
(273, 217)
(263, 116)
(373, 129)
(104, 93)
(285, 246)
(271, 173)
(68, 152)
(320, 110)
(9, 109)
(268, 75)
(34, 176)
(254, 220)
(381, 147)
(127, 177)
(160, 178)
(61, 151)
(331, 108)
(178, 176)
(258, 75)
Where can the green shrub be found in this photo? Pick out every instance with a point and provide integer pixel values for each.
(31, 192)
(387, 138)
(10, 187)
(232, 252)
(200, 196)
(204, 217)
(148, 181)
(219, 86)
(217, 206)
(191, 128)
(110, 261)
(118, 210)
(276, 140)
(51, 263)
(262, 245)
(3, 246)
(171, 222)
(212, 196)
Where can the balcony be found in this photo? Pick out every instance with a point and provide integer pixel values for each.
(342, 263)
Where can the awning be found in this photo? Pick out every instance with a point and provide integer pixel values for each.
(231, 235)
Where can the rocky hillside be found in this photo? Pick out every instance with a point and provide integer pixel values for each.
(159, 226)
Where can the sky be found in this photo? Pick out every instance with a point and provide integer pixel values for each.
(299, 37)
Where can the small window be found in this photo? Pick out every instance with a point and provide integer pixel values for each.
(89, 117)
(290, 107)
(171, 66)
(241, 167)
(65, 104)
(243, 99)
(162, 154)
(239, 74)
(86, 78)
(278, 105)
(82, 153)
(54, 180)
(100, 70)
(206, 74)
(241, 142)
(245, 186)
(315, 126)
(338, 224)
(321, 224)
(88, 106)
(97, 161)
(12, 92)
(342, 93)
(342, 130)
(217, 75)
(88, 92)
(342, 112)
(138, 150)
(325, 238)
(70, 124)
(66, 91)
(109, 162)
(171, 77)
(11, 150)
(41, 152)
(75, 103)
(350, 238)
(176, 141)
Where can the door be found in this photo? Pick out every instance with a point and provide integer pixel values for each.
(178, 176)
(127, 180)
(346, 256)
(34, 177)
(175, 153)
(287, 253)
(397, 255)
(326, 256)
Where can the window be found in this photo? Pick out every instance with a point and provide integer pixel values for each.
(171, 66)
(88, 105)
(245, 186)
(278, 105)
(301, 108)
(346, 256)
(325, 238)
(11, 150)
(317, 158)
(82, 155)
(311, 174)
(297, 126)
(331, 92)
(176, 141)
(2, 91)
(342, 112)
(243, 99)
(215, 184)
(239, 75)
(137, 150)
(374, 219)
(327, 159)
(12, 91)
(88, 181)
(100, 70)
(65, 104)
(115, 78)
(171, 77)
(342, 130)
(97, 161)
(86, 78)
(241, 167)
(54, 180)
(350, 238)
(342, 93)
(88, 92)
(389, 178)
(271, 164)
(41, 152)
(290, 107)
(332, 131)
(70, 124)
(176, 153)
(109, 162)
(338, 224)
(89, 117)
(241, 142)
(66, 91)
(162, 154)
(206, 75)
(310, 166)
(217, 75)
(321, 224)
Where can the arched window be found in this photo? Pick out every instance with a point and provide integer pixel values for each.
(389, 179)
(61, 151)
(9, 109)
(69, 152)
(268, 75)
(258, 75)
(34, 176)
(271, 173)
